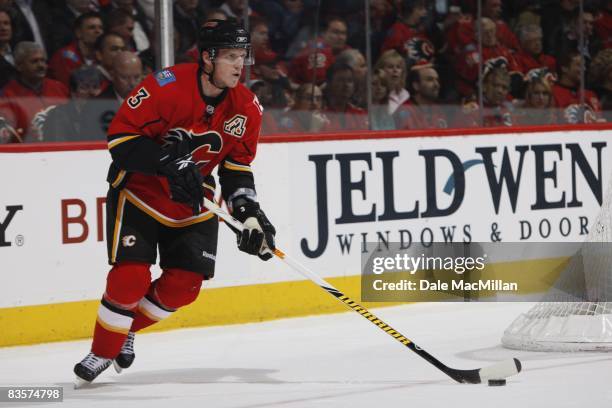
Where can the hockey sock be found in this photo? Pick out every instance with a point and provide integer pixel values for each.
(174, 288)
(126, 284)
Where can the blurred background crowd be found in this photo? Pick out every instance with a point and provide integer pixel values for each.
(332, 65)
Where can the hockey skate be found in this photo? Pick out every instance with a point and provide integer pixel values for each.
(126, 355)
(89, 368)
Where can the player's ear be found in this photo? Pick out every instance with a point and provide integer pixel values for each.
(205, 57)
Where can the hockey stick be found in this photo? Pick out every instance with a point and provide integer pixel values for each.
(497, 371)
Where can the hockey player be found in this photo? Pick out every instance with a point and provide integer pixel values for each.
(167, 137)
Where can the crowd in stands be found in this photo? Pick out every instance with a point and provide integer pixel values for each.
(66, 65)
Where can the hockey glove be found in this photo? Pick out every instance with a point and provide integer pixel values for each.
(257, 237)
(184, 177)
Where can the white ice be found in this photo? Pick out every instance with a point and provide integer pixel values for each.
(337, 361)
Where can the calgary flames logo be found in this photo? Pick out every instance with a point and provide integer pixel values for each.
(204, 146)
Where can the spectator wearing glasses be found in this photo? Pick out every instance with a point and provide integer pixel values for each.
(65, 122)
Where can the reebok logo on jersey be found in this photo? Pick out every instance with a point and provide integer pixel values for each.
(185, 162)
(236, 126)
(164, 77)
(209, 256)
(128, 241)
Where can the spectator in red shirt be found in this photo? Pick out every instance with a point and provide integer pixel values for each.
(407, 36)
(467, 64)
(319, 57)
(462, 32)
(567, 93)
(87, 28)
(423, 111)
(27, 98)
(531, 55)
(267, 62)
(340, 87)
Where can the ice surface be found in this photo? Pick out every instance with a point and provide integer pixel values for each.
(335, 361)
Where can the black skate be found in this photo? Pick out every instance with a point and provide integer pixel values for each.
(126, 355)
(89, 368)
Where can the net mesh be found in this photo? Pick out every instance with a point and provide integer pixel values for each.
(573, 315)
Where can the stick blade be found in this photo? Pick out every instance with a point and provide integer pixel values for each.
(501, 370)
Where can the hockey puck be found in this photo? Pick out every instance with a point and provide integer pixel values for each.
(496, 383)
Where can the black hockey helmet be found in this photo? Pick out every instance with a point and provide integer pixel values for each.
(219, 34)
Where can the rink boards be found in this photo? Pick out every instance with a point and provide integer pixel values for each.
(327, 198)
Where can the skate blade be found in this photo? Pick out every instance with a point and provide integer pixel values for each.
(118, 369)
(80, 383)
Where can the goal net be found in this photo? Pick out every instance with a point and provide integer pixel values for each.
(575, 314)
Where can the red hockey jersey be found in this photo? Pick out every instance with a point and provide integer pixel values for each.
(414, 116)
(528, 62)
(569, 101)
(461, 34)
(64, 62)
(409, 42)
(169, 105)
(25, 108)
